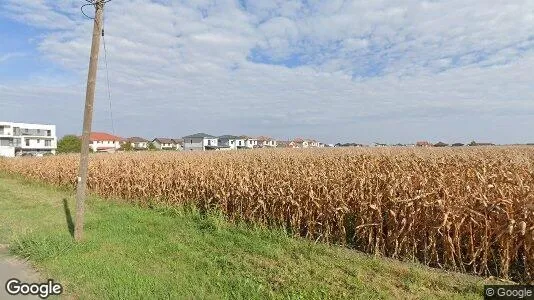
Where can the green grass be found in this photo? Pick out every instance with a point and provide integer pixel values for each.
(135, 253)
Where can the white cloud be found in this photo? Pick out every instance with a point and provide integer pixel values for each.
(357, 67)
(8, 56)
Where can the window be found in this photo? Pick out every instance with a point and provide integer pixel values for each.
(38, 141)
(27, 142)
(209, 142)
(231, 142)
(48, 143)
(49, 133)
(191, 141)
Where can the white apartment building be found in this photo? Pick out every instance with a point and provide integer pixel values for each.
(18, 139)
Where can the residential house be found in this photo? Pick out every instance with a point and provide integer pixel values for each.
(201, 141)
(299, 143)
(250, 142)
(138, 143)
(231, 141)
(27, 139)
(164, 144)
(423, 144)
(473, 143)
(104, 142)
(265, 141)
(179, 144)
(348, 145)
(284, 144)
(313, 143)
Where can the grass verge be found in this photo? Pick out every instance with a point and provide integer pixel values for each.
(135, 253)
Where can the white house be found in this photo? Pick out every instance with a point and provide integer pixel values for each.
(27, 139)
(314, 143)
(250, 142)
(104, 142)
(300, 143)
(179, 143)
(164, 144)
(138, 143)
(233, 142)
(201, 141)
(265, 141)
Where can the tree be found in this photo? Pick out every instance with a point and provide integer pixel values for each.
(151, 146)
(127, 147)
(69, 144)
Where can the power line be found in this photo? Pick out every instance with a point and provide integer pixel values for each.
(107, 75)
(91, 3)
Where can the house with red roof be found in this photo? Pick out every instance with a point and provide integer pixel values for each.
(104, 142)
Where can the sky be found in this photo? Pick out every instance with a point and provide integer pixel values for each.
(338, 71)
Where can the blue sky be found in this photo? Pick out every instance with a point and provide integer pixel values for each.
(382, 71)
(19, 53)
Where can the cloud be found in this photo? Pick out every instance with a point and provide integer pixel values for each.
(8, 56)
(331, 69)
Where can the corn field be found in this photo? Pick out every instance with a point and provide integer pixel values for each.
(468, 209)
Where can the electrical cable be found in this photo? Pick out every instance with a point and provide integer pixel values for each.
(94, 3)
(107, 77)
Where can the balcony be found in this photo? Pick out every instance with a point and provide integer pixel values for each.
(36, 133)
(6, 142)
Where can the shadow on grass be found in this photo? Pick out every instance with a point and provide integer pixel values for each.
(68, 217)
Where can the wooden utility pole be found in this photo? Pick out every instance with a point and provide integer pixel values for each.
(87, 120)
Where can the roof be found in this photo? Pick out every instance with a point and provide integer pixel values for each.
(199, 135)
(136, 139)
(247, 137)
(264, 138)
(164, 140)
(283, 144)
(178, 141)
(473, 143)
(102, 136)
(229, 137)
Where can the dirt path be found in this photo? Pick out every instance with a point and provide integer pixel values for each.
(11, 267)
